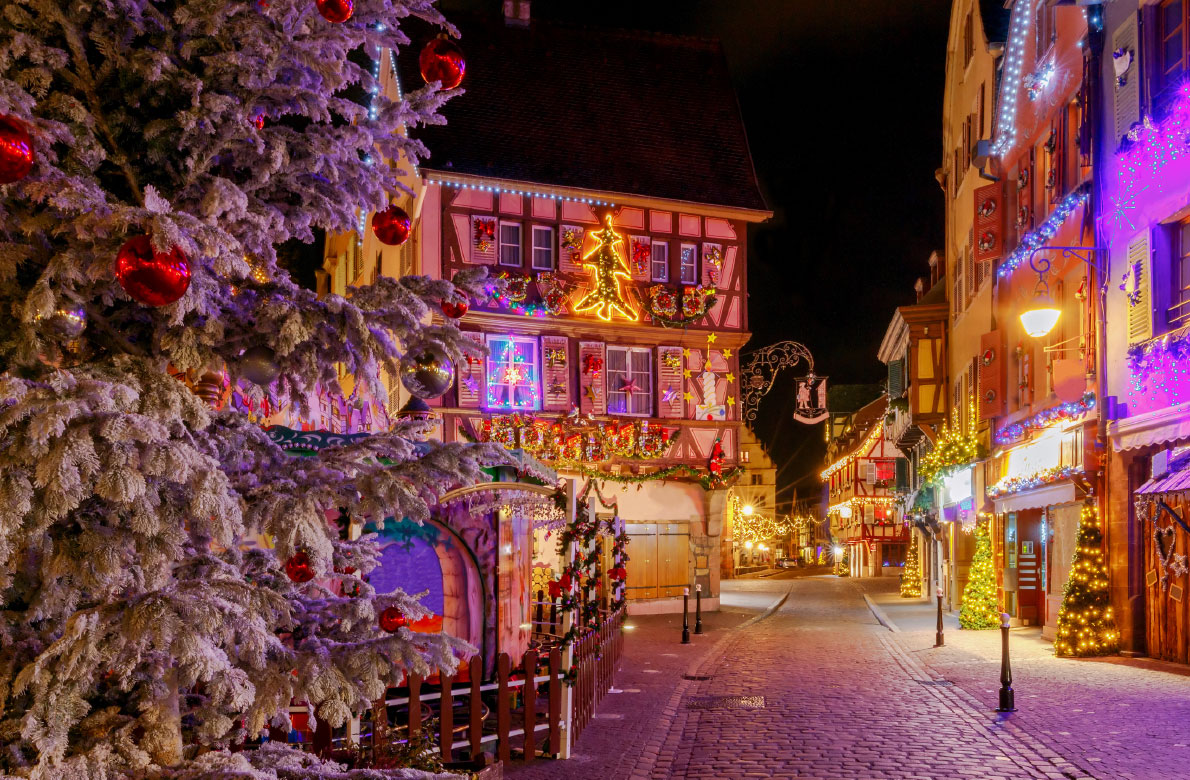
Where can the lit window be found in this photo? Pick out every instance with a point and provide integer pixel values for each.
(510, 243)
(513, 366)
(659, 259)
(543, 248)
(688, 271)
(629, 381)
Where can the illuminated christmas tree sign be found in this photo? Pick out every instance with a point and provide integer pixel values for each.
(607, 268)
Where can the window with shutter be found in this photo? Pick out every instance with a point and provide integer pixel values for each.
(1127, 95)
(1179, 277)
(513, 366)
(902, 467)
(659, 260)
(629, 381)
(688, 267)
(870, 472)
(670, 400)
(510, 243)
(896, 378)
(543, 248)
(555, 373)
(1139, 289)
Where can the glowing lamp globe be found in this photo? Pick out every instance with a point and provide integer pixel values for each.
(1041, 319)
(747, 510)
(838, 551)
(747, 545)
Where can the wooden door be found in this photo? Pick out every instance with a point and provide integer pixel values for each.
(642, 563)
(673, 553)
(1029, 590)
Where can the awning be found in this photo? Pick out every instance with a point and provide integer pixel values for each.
(1157, 427)
(1037, 498)
(1177, 479)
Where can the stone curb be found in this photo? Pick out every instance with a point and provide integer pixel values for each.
(880, 614)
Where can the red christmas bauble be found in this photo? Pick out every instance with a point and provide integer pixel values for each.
(335, 11)
(298, 567)
(392, 226)
(454, 309)
(16, 150)
(564, 581)
(392, 618)
(442, 60)
(150, 277)
(258, 120)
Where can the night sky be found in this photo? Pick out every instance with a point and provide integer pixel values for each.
(844, 117)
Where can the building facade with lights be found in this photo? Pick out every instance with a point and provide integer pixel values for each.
(975, 45)
(619, 237)
(861, 485)
(1037, 382)
(1143, 186)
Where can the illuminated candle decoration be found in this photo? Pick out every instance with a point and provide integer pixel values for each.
(607, 266)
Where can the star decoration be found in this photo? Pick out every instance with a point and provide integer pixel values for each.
(731, 400)
(688, 397)
(629, 386)
(727, 353)
(589, 391)
(669, 394)
(686, 353)
(731, 377)
(711, 337)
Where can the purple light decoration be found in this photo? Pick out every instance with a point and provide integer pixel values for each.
(1047, 230)
(1045, 418)
(1161, 366)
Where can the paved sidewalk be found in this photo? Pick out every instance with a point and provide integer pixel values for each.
(1116, 717)
(629, 727)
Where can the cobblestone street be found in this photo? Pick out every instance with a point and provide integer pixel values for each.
(819, 688)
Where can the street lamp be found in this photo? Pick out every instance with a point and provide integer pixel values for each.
(747, 545)
(747, 510)
(838, 551)
(1041, 318)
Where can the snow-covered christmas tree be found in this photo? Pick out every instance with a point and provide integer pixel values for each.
(148, 618)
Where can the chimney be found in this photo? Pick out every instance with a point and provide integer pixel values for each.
(516, 13)
(919, 287)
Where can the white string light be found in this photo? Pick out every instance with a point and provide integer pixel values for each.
(1013, 64)
(513, 191)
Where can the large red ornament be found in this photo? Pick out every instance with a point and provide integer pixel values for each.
(16, 150)
(392, 226)
(335, 11)
(392, 618)
(150, 277)
(298, 567)
(454, 309)
(442, 60)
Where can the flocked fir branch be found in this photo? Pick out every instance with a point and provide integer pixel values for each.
(148, 619)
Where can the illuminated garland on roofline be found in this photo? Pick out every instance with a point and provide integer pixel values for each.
(864, 446)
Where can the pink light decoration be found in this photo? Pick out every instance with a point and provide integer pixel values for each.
(1157, 154)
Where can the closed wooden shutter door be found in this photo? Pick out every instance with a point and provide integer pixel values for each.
(1140, 312)
(483, 243)
(1127, 95)
(471, 377)
(592, 382)
(992, 375)
(669, 383)
(896, 384)
(642, 561)
(555, 373)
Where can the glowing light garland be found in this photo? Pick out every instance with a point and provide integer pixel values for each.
(1046, 230)
(580, 440)
(514, 371)
(862, 501)
(1154, 147)
(1014, 61)
(530, 193)
(607, 267)
(867, 443)
(1161, 365)
(955, 450)
(1045, 419)
(1010, 485)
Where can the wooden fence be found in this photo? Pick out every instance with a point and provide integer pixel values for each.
(533, 708)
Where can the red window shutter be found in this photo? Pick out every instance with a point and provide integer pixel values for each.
(592, 377)
(555, 373)
(471, 377)
(992, 375)
(669, 383)
(989, 223)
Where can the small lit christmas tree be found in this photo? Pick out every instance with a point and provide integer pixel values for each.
(911, 576)
(980, 608)
(1086, 625)
(843, 563)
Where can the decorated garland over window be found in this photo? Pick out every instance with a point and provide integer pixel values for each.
(662, 304)
(580, 575)
(578, 439)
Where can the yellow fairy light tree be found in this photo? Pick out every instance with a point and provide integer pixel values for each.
(1086, 624)
(911, 575)
(980, 608)
(607, 268)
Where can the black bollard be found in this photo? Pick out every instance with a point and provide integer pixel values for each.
(939, 637)
(698, 609)
(1007, 696)
(685, 616)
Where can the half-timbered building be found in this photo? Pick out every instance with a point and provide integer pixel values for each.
(614, 210)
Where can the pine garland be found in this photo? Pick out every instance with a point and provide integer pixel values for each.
(1086, 624)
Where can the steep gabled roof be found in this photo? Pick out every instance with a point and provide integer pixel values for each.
(606, 110)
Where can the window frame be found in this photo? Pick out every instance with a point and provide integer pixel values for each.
(655, 263)
(550, 246)
(1163, 76)
(682, 263)
(493, 360)
(500, 243)
(645, 395)
(1178, 296)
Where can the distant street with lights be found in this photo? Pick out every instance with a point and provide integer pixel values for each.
(820, 688)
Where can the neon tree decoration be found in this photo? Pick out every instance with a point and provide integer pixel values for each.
(607, 267)
(512, 374)
(1037, 238)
